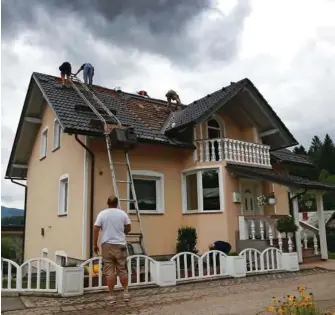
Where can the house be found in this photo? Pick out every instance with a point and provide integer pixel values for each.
(203, 165)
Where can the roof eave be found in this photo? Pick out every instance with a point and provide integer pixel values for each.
(290, 135)
(18, 131)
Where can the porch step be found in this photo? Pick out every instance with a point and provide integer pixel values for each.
(257, 244)
(309, 256)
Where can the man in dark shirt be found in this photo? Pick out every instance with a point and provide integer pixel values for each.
(65, 70)
(221, 246)
(88, 73)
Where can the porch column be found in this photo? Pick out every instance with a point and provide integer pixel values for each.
(297, 223)
(322, 225)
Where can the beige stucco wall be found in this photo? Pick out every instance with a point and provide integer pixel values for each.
(60, 233)
(65, 233)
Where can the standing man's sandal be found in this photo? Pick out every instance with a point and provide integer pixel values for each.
(111, 299)
(126, 296)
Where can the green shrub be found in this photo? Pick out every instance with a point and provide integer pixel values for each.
(286, 225)
(331, 241)
(187, 239)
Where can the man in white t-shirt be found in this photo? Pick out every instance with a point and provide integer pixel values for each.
(114, 225)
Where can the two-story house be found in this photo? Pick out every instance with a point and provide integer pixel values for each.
(203, 165)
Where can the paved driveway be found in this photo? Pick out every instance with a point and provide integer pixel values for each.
(235, 297)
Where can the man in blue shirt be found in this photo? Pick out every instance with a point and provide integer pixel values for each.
(88, 73)
(221, 246)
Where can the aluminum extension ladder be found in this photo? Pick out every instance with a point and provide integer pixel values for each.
(126, 163)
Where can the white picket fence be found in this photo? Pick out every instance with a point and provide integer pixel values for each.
(210, 264)
(261, 262)
(34, 275)
(139, 272)
(213, 263)
(42, 274)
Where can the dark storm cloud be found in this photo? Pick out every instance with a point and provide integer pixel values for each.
(154, 26)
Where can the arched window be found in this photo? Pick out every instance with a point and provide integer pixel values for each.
(213, 129)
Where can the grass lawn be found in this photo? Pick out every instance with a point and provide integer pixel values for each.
(52, 284)
(331, 255)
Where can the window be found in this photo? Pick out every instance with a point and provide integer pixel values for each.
(149, 191)
(44, 143)
(57, 134)
(201, 190)
(63, 195)
(214, 132)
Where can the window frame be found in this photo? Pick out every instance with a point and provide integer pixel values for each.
(199, 171)
(61, 212)
(149, 175)
(57, 125)
(44, 146)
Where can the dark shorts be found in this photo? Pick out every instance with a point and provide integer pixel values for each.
(65, 69)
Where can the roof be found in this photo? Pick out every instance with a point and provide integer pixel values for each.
(149, 117)
(279, 178)
(313, 217)
(200, 109)
(286, 156)
(146, 116)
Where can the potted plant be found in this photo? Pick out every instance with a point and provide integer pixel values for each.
(286, 225)
(267, 200)
(272, 199)
(186, 242)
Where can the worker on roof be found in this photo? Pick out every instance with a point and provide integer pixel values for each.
(88, 73)
(65, 70)
(171, 95)
(143, 93)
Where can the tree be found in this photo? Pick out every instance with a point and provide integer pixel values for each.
(13, 220)
(322, 154)
(327, 155)
(300, 150)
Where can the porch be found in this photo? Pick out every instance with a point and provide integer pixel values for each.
(257, 228)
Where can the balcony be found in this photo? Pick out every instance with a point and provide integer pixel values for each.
(233, 151)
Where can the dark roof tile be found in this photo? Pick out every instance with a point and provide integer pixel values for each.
(286, 156)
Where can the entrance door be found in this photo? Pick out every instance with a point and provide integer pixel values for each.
(250, 191)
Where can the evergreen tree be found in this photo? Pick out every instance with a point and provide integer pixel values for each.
(300, 150)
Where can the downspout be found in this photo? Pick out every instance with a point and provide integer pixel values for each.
(92, 191)
(24, 214)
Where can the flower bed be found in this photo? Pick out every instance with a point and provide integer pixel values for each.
(301, 304)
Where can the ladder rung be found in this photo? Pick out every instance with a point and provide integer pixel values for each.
(123, 181)
(129, 200)
(134, 220)
(120, 163)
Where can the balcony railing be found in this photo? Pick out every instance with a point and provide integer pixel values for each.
(235, 151)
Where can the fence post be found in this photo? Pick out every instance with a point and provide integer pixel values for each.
(70, 281)
(290, 262)
(236, 266)
(164, 273)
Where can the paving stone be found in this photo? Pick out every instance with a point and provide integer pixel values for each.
(228, 296)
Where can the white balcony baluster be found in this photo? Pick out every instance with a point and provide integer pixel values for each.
(316, 247)
(207, 151)
(261, 227)
(220, 150)
(212, 150)
(280, 241)
(213, 155)
(305, 240)
(270, 235)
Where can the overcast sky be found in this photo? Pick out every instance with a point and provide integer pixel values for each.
(286, 48)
